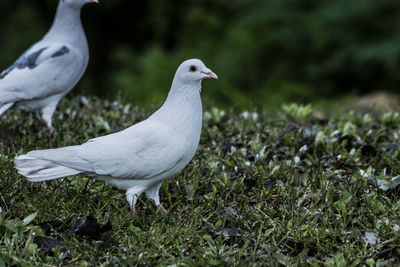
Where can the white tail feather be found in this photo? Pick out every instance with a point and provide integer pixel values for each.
(5, 107)
(37, 170)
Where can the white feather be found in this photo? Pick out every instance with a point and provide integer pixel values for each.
(5, 107)
(38, 170)
(139, 158)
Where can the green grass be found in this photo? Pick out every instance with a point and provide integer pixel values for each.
(296, 190)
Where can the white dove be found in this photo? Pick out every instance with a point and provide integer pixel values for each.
(139, 158)
(50, 68)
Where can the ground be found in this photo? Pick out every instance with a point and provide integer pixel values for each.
(291, 187)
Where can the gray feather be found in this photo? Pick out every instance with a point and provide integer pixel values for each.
(64, 50)
(25, 61)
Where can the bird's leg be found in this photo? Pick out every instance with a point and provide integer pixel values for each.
(132, 202)
(51, 129)
(47, 121)
(131, 197)
(47, 118)
(47, 113)
(153, 195)
(162, 209)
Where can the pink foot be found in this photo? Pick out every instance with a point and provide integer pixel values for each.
(133, 209)
(162, 209)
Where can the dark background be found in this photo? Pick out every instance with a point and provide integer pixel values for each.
(265, 52)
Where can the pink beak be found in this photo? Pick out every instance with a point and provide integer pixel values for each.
(211, 75)
(94, 1)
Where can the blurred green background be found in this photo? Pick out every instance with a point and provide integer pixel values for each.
(265, 52)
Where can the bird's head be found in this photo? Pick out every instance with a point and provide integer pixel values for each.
(78, 3)
(193, 71)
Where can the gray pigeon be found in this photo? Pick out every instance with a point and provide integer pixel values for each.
(139, 158)
(50, 68)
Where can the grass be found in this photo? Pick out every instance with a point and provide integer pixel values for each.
(284, 188)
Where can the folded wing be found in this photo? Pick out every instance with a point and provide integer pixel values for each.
(43, 70)
(142, 151)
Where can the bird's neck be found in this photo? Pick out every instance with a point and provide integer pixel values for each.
(183, 110)
(67, 25)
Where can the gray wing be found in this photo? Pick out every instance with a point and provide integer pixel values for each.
(43, 70)
(27, 60)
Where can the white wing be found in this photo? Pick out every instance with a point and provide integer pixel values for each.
(43, 70)
(143, 151)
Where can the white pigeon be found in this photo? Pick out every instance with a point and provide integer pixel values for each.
(139, 158)
(50, 68)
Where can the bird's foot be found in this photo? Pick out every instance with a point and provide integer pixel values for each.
(162, 209)
(51, 129)
(133, 209)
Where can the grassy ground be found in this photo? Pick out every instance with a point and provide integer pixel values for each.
(286, 188)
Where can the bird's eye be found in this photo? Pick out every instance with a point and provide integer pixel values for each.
(193, 69)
